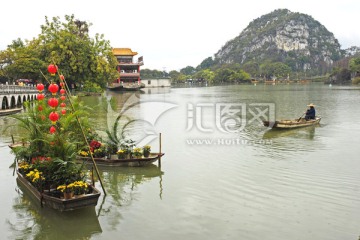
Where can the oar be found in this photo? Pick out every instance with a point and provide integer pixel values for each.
(301, 117)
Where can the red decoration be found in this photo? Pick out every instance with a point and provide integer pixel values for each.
(40, 108)
(53, 88)
(53, 116)
(52, 129)
(62, 85)
(62, 104)
(40, 87)
(63, 111)
(62, 98)
(62, 91)
(40, 96)
(52, 69)
(62, 78)
(53, 102)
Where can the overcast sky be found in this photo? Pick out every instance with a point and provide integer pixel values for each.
(172, 34)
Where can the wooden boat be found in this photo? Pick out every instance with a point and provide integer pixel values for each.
(128, 162)
(290, 124)
(4, 112)
(53, 199)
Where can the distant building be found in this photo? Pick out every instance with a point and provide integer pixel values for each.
(156, 82)
(129, 71)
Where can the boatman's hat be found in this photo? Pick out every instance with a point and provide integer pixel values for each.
(311, 105)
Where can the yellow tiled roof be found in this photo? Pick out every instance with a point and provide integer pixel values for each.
(123, 52)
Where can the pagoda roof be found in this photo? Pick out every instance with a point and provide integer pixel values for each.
(123, 52)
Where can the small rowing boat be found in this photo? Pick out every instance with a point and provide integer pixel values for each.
(127, 162)
(291, 124)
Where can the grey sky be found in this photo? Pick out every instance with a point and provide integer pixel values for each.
(172, 34)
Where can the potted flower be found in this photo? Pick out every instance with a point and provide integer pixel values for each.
(146, 150)
(121, 154)
(100, 152)
(137, 153)
(112, 150)
(36, 178)
(80, 188)
(67, 190)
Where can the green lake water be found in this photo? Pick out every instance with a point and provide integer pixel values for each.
(223, 176)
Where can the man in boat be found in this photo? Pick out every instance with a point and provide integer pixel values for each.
(310, 113)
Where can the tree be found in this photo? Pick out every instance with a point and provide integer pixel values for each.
(80, 57)
(355, 64)
(67, 44)
(206, 63)
(189, 70)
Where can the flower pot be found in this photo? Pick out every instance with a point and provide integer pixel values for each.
(68, 195)
(146, 154)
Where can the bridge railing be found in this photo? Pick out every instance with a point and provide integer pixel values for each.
(6, 89)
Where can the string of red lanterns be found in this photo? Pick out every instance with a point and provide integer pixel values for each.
(53, 102)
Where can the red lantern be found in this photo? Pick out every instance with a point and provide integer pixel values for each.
(40, 87)
(53, 116)
(62, 78)
(62, 98)
(62, 104)
(62, 85)
(62, 91)
(53, 88)
(63, 111)
(52, 69)
(53, 102)
(52, 129)
(40, 96)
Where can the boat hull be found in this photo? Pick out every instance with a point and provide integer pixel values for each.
(291, 124)
(130, 162)
(4, 112)
(88, 200)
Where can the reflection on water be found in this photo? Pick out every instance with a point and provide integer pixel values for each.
(122, 186)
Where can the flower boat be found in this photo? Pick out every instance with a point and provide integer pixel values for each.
(126, 162)
(53, 198)
(291, 124)
(46, 156)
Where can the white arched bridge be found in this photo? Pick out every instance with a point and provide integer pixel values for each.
(13, 96)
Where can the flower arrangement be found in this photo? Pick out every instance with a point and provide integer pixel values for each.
(80, 187)
(137, 152)
(40, 159)
(24, 167)
(35, 176)
(146, 150)
(121, 154)
(66, 188)
(94, 145)
(77, 187)
(100, 152)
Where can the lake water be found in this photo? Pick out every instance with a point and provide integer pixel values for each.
(223, 176)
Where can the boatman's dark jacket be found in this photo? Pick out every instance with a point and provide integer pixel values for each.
(310, 113)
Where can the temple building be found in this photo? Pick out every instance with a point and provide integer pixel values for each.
(129, 71)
